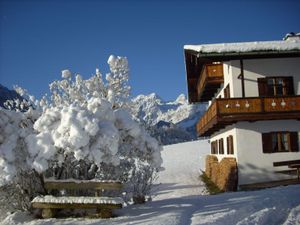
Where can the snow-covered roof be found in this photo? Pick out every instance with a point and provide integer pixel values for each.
(290, 44)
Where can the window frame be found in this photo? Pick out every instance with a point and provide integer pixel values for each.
(264, 86)
(291, 142)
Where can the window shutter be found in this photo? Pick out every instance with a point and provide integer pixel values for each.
(221, 146)
(267, 142)
(227, 145)
(216, 147)
(294, 141)
(289, 86)
(262, 87)
(212, 148)
(231, 144)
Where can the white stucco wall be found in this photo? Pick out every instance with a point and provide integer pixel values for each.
(254, 166)
(227, 76)
(230, 130)
(258, 68)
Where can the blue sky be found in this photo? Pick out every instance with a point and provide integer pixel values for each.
(38, 39)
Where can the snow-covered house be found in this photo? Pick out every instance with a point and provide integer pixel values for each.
(253, 114)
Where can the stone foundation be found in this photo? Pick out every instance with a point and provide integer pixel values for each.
(224, 173)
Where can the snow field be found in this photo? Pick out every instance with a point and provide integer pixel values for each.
(182, 163)
(178, 200)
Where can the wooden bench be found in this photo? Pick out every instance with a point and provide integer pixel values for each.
(295, 166)
(73, 198)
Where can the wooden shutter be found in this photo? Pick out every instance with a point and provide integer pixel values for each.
(262, 87)
(230, 145)
(267, 142)
(227, 145)
(294, 141)
(214, 147)
(289, 84)
(221, 146)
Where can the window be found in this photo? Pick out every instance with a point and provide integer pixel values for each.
(221, 146)
(227, 91)
(280, 142)
(230, 150)
(275, 86)
(214, 147)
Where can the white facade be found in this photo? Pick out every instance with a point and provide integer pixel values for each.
(258, 68)
(254, 166)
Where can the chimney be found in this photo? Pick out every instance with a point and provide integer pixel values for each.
(292, 37)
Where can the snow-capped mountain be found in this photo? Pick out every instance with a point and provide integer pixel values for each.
(169, 121)
(6, 94)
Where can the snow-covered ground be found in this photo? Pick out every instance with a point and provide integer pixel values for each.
(182, 163)
(180, 199)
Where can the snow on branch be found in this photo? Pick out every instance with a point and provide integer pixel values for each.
(84, 121)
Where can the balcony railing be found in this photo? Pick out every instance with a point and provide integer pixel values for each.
(223, 112)
(211, 78)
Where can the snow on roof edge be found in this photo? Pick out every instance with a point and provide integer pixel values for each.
(242, 47)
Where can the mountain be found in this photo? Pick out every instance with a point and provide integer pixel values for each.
(6, 94)
(169, 121)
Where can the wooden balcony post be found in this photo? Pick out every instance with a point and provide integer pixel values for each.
(241, 76)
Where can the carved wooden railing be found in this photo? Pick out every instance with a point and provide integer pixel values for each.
(208, 116)
(233, 109)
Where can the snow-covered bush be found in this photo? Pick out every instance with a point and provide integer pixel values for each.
(82, 130)
(118, 88)
(18, 182)
(15, 127)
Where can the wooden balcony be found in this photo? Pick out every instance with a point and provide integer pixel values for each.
(223, 112)
(211, 78)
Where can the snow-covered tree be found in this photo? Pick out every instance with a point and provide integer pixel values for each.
(118, 88)
(18, 182)
(11, 143)
(82, 131)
